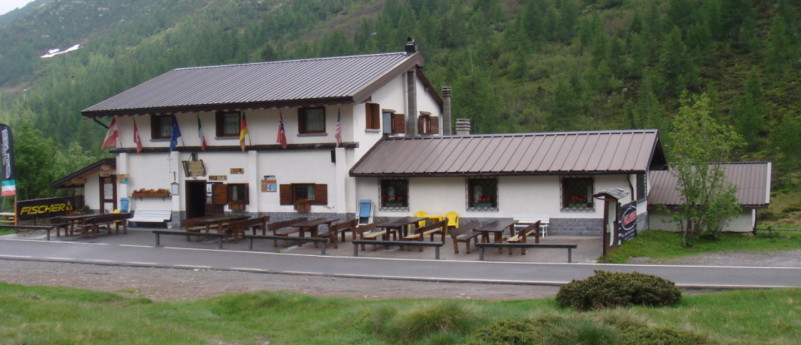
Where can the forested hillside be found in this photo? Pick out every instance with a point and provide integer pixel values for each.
(513, 65)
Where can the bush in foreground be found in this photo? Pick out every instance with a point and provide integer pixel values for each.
(611, 289)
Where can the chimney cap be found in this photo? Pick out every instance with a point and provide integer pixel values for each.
(410, 47)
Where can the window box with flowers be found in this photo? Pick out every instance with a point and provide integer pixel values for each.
(302, 205)
(150, 193)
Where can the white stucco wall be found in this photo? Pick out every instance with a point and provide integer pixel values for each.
(744, 222)
(518, 196)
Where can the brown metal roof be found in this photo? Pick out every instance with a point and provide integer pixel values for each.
(595, 152)
(344, 79)
(751, 178)
(78, 178)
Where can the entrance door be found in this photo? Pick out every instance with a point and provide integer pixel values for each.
(195, 199)
(108, 194)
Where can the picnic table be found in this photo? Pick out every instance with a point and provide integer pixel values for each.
(207, 223)
(313, 225)
(496, 228)
(400, 225)
(92, 223)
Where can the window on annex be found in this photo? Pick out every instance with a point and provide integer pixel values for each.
(234, 194)
(427, 124)
(395, 193)
(161, 127)
(577, 194)
(227, 123)
(482, 193)
(372, 113)
(311, 120)
(642, 186)
(315, 194)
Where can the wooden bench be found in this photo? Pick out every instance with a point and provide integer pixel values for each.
(284, 228)
(420, 233)
(150, 216)
(569, 247)
(17, 228)
(357, 243)
(522, 234)
(158, 234)
(332, 233)
(95, 223)
(238, 228)
(368, 232)
(300, 240)
(544, 224)
(465, 233)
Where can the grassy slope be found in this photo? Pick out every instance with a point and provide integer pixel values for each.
(46, 315)
(666, 245)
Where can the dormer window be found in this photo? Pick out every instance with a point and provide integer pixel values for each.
(427, 124)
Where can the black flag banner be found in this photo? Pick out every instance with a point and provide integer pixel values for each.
(9, 183)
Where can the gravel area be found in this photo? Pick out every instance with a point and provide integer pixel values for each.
(161, 284)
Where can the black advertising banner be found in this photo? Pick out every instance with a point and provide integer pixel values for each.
(9, 182)
(45, 208)
(628, 222)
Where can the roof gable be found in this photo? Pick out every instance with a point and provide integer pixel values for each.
(344, 79)
(589, 152)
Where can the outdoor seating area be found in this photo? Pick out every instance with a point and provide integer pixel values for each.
(397, 237)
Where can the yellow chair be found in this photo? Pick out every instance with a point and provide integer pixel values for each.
(421, 223)
(453, 219)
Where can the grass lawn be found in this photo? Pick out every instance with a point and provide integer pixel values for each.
(666, 245)
(6, 232)
(52, 315)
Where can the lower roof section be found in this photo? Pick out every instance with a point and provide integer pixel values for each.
(752, 180)
(563, 153)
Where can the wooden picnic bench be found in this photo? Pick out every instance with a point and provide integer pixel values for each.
(238, 228)
(332, 233)
(465, 233)
(432, 229)
(284, 228)
(17, 228)
(500, 246)
(357, 243)
(369, 232)
(158, 233)
(301, 240)
(523, 233)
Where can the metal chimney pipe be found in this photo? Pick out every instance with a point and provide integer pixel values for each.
(446, 110)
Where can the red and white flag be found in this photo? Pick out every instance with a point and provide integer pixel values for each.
(137, 139)
(111, 135)
(200, 135)
(281, 132)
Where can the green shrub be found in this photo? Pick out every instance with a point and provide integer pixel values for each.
(610, 290)
(426, 320)
(558, 330)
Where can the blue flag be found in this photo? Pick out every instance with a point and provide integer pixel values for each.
(176, 133)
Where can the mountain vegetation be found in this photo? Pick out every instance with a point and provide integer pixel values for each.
(513, 65)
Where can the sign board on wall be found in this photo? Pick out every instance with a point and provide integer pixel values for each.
(217, 178)
(194, 168)
(269, 184)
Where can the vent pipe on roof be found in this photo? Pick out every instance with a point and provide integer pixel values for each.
(463, 126)
(446, 110)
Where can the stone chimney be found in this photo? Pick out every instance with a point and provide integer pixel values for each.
(462, 126)
(446, 110)
(410, 48)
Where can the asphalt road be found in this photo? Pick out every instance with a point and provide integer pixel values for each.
(118, 251)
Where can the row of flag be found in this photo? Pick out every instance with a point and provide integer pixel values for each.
(113, 134)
